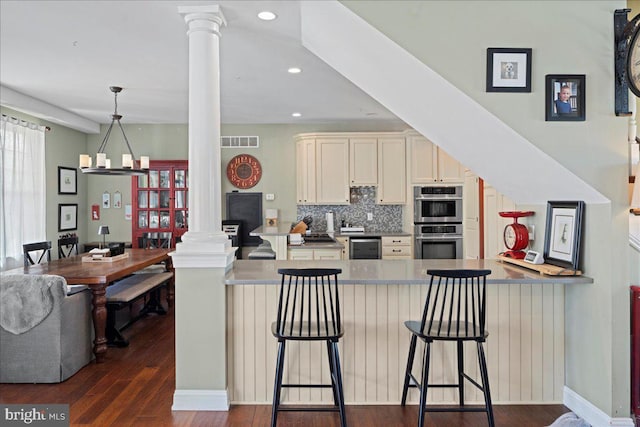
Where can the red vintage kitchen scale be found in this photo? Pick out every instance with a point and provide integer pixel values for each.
(516, 236)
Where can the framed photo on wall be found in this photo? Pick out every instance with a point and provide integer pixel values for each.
(67, 217)
(563, 234)
(508, 70)
(565, 97)
(67, 180)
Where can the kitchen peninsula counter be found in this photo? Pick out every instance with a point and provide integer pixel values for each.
(525, 320)
(403, 272)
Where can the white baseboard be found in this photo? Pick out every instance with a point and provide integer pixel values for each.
(200, 400)
(590, 413)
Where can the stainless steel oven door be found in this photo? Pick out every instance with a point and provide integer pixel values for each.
(437, 204)
(438, 241)
(444, 247)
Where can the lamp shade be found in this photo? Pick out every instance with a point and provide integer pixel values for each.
(103, 229)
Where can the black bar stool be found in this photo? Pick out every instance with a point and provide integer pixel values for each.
(454, 310)
(309, 310)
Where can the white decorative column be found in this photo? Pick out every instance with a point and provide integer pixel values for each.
(205, 253)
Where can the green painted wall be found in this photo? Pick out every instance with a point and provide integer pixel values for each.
(63, 146)
(567, 38)
(170, 142)
(454, 44)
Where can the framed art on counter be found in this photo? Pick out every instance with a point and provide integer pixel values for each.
(508, 70)
(563, 234)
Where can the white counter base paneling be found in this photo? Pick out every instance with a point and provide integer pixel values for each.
(525, 350)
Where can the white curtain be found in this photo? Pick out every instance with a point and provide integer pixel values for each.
(23, 186)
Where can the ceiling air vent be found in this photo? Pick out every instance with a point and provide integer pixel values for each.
(239, 141)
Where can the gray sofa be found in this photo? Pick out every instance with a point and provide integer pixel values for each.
(45, 334)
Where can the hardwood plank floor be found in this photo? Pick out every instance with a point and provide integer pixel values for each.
(135, 386)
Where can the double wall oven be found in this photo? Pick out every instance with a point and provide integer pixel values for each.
(438, 222)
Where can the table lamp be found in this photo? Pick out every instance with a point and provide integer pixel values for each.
(103, 230)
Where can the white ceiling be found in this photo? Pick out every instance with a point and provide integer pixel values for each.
(68, 53)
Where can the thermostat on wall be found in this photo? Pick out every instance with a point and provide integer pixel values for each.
(534, 257)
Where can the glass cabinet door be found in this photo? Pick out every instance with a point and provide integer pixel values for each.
(161, 200)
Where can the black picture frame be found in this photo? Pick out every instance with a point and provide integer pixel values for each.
(563, 233)
(575, 84)
(508, 69)
(67, 180)
(67, 216)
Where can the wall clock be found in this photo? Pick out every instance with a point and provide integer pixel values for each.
(244, 171)
(516, 236)
(633, 57)
(627, 55)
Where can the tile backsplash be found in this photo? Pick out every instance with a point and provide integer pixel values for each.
(386, 218)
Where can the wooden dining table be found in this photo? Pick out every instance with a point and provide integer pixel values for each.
(97, 276)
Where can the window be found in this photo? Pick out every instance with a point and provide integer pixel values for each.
(23, 197)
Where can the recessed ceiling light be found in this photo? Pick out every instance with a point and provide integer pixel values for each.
(296, 115)
(267, 16)
(294, 70)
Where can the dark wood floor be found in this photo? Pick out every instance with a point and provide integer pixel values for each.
(135, 388)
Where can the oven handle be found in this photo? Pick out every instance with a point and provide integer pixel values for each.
(440, 237)
(437, 198)
(364, 240)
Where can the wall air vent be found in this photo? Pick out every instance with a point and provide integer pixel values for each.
(239, 141)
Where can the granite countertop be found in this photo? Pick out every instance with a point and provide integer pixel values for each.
(382, 272)
(283, 229)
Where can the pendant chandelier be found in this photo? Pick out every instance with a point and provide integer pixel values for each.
(103, 165)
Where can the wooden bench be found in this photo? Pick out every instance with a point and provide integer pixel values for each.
(126, 291)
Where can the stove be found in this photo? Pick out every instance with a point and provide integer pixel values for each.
(317, 238)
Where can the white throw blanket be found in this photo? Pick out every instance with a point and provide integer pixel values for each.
(26, 300)
(570, 420)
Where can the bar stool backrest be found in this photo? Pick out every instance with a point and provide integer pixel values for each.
(27, 248)
(309, 305)
(455, 304)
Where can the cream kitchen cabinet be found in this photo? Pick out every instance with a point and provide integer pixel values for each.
(363, 161)
(392, 182)
(431, 164)
(315, 254)
(306, 171)
(322, 170)
(494, 224)
(345, 242)
(471, 216)
(332, 171)
(397, 247)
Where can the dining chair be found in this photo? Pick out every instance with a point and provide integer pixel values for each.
(67, 246)
(309, 310)
(29, 249)
(454, 310)
(157, 240)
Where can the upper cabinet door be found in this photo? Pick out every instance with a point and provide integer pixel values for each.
(392, 182)
(431, 164)
(449, 169)
(332, 174)
(306, 171)
(424, 165)
(363, 161)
